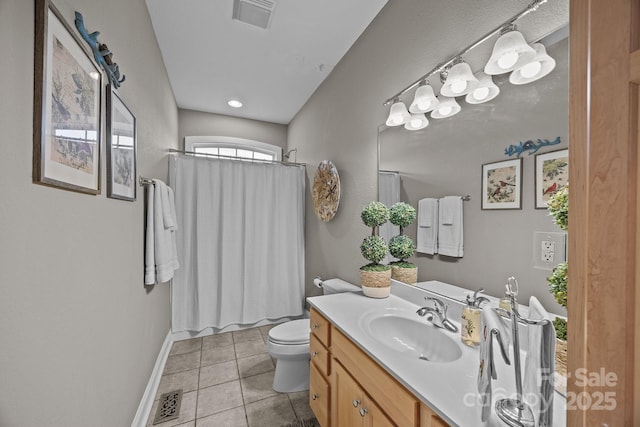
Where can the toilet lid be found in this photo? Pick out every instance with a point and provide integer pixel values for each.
(293, 332)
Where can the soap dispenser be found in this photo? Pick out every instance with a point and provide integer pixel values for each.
(470, 331)
(505, 301)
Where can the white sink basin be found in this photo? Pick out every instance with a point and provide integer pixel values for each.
(410, 335)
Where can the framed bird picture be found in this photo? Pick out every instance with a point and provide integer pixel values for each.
(502, 185)
(552, 173)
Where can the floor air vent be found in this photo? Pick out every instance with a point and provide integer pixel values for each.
(254, 12)
(168, 407)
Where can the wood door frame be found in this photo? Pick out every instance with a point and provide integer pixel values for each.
(603, 119)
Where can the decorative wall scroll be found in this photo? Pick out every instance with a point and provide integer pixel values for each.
(530, 146)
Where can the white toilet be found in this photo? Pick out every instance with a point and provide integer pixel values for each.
(288, 343)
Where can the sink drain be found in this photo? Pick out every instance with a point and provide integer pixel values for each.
(168, 407)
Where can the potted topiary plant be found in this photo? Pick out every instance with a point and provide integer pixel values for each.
(375, 278)
(401, 246)
(558, 207)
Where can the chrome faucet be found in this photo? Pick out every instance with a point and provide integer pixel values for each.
(437, 314)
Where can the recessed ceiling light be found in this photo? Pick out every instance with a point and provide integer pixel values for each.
(234, 103)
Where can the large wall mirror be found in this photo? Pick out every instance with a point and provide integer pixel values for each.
(446, 158)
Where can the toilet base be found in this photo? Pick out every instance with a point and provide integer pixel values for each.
(291, 375)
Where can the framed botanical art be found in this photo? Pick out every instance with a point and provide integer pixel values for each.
(121, 149)
(67, 116)
(502, 185)
(552, 173)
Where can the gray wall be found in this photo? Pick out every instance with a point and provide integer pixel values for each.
(196, 123)
(340, 121)
(80, 333)
(445, 159)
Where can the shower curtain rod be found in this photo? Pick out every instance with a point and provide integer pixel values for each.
(221, 156)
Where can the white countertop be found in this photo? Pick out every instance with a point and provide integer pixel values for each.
(448, 388)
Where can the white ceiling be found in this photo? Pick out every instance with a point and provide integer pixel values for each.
(211, 58)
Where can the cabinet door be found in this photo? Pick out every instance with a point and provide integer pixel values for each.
(347, 399)
(374, 417)
(429, 419)
(319, 396)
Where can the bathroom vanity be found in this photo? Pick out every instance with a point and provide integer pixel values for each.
(371, 365)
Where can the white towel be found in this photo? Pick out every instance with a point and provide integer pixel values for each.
(427, 233)
(450, 230)
(160, 257)
(540, 365)
(491, 325)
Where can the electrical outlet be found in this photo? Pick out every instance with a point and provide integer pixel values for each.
(547, 256)
(548, 245)
(549, 249)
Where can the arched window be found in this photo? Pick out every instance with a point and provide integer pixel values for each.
(227, 146)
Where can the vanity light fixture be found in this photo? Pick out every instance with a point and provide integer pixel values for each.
(486, 90)
(459, 80)
(511, 51)
(417, 122)
(398, 115)
(448, 107)
(541, 65)
(424, 100)
(234, 103)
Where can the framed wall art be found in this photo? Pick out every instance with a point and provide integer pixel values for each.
(502, 185)
(552, 173)
(67, 116)
(121, 149)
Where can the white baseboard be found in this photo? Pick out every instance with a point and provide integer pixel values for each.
(142, 415)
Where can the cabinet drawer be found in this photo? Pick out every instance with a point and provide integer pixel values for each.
(320, 327)
(319, 396)
(400, 405)
(319, 355)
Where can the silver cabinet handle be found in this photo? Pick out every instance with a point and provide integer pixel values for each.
(314, 354)
(315, 326)
(363, 412)
(314, 396)
(355, 403)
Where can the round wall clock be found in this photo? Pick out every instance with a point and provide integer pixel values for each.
(326, 191)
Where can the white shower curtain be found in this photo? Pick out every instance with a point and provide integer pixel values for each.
(389, 194)
(240, 242)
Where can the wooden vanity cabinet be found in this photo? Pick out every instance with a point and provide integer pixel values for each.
(320, 368)
(347, 388)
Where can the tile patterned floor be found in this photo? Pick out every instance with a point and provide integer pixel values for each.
(226, 381)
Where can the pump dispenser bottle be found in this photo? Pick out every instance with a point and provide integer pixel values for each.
(470, 331)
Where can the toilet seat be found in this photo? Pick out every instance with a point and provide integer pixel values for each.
(290, 333)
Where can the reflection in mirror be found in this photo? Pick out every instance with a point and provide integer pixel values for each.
(446, 158)
(389, 194)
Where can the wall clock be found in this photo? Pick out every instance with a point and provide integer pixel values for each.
(326, 191)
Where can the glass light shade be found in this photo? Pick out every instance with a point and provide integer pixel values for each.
(424, 100)
(417, 122)
(398, 115)
(448, 107)
(541, 65)
(511, 51)
(486, 90)
(460, 81)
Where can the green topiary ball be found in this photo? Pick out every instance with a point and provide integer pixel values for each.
(558, 207)
(375, 214)
(558, 283)
(401, 247)
(402, 214)
(373, 248)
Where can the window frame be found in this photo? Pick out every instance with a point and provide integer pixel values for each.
(192, 143)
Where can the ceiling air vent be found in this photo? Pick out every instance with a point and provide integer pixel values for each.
(254, 12)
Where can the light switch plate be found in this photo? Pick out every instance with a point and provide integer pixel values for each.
(549, 249)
